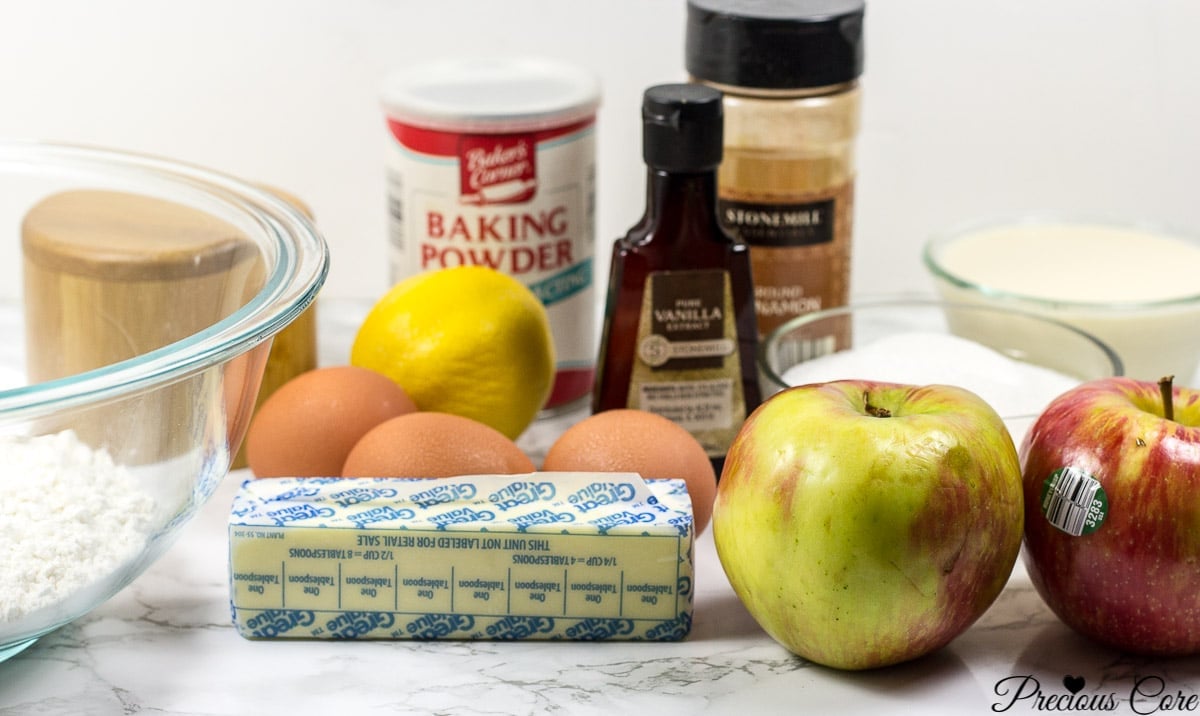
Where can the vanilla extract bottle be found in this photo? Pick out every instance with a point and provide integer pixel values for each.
(680, 336)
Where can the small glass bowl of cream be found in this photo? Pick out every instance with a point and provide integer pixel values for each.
(1132, 285)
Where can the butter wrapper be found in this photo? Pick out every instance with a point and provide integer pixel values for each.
(569, 555)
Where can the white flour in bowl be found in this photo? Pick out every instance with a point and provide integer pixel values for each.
(68, 517)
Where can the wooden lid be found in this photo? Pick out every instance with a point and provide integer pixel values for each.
(121, 236)
(291, 199)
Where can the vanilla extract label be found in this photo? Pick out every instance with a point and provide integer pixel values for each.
(687, 327)
(688, 361)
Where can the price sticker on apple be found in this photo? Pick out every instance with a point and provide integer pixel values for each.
(1074, 501)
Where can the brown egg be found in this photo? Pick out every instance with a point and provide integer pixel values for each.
(638, 441)
(429, 444)
(307, 427)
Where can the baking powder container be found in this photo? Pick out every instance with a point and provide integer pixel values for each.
(294, 349)
(493, 162)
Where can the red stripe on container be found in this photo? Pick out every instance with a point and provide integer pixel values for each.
(445, 144)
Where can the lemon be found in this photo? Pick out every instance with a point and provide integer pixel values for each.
(469, 341)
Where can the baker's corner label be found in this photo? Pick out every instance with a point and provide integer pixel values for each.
(496, 169)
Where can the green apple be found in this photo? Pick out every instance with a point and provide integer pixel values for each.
(864, 524)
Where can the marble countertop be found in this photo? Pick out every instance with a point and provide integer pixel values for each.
(166, 645)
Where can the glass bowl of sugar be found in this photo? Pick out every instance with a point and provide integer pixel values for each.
(138, 302)
(1132, 285)
(1016, 361)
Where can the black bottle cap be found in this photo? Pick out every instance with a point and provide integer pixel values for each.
(775, 44)
(682, 127)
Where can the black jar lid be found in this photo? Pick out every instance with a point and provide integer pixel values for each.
(682, 127)
(775, 44)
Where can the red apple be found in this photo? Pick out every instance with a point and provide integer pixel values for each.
(865, 524)
(1111, 473)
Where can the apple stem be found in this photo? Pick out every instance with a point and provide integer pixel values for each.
(874, 410)
(1164, 387)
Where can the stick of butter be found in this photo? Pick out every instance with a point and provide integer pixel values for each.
(538, 556)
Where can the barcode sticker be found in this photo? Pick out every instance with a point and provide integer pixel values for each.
(1074, 501)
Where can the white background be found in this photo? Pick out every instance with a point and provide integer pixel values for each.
(971, 108)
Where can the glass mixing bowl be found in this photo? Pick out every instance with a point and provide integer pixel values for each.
(125, 392)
